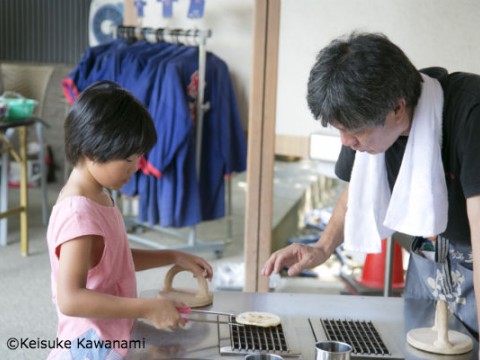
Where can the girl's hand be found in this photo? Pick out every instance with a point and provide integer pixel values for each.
(163, 313)
(197, 265)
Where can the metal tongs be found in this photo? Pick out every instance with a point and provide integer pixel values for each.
(188, 310)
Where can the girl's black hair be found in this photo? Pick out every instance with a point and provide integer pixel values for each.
(107, 123)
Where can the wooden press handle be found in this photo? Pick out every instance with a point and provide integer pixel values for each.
(441, 325)
(174, 270)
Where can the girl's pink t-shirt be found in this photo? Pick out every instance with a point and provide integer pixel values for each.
(78, 216)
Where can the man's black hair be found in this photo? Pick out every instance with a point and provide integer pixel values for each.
(356, 81)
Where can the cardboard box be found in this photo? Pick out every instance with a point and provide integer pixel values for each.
(33, 173)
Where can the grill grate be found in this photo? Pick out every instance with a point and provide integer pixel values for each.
(361, 335)
(255, 338)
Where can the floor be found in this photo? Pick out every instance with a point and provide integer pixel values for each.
(26, 311)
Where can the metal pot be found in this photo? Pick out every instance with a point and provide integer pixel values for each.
(332, 350)
(263, 357)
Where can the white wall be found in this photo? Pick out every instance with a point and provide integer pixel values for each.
(231, 23)
(431, 32)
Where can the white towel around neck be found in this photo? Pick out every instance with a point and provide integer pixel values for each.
(418, 204)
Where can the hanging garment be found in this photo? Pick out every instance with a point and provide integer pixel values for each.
(223, 144)
(93, 66)
(143, 67)
(164, 77)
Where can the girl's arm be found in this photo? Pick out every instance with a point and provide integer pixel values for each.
(148, 259)
(74, 299)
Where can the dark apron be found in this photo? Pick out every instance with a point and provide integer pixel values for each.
(449, 277)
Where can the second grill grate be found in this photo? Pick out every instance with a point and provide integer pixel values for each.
(361, 335)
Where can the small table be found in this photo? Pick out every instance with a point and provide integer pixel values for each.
(21, 157)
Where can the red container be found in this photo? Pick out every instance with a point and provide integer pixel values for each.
(373, 273)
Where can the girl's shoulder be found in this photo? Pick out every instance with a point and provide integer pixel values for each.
(79, 203)
(76, 212)
(74, 197)
(73, 200)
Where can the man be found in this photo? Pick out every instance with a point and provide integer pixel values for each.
(411, 155)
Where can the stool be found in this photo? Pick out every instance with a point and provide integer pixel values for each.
(6, 129)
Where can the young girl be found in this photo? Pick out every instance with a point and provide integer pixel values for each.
(93, 268)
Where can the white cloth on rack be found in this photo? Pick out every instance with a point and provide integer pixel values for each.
(418, 204)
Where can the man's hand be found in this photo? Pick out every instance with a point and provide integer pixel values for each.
(297, 257)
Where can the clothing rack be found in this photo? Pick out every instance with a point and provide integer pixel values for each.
(198, 38)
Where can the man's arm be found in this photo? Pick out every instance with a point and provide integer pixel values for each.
(299, 256)
(333, 235)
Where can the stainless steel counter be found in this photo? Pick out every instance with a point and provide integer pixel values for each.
(393, 317)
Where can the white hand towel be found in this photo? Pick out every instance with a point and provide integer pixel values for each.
(418, 205)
